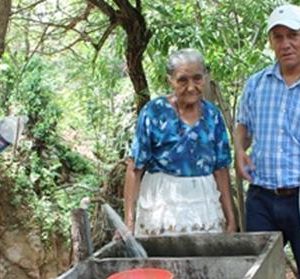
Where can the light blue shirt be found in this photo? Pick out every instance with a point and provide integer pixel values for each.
(271, 112)
(164, 143)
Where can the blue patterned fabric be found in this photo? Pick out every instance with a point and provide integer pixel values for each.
(164, 143)
(271, 111)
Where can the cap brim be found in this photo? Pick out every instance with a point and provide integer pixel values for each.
(294, 25)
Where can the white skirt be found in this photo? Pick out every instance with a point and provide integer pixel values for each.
(169, 204)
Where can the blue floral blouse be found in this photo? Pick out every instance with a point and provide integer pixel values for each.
(164, 143)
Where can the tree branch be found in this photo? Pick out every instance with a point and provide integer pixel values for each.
(37, 45)
(138, 5)
(124, 5)
(68, 47)
(102, 40)
(81, 17)
(72, 21)
(31, 6)
(104, 7)
(138, 36)
(67, 27)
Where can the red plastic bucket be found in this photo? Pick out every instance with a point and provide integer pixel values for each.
(143, 273)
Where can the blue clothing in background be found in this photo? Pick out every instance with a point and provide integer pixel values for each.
(271, 112)
(3, 144)
(164, 143)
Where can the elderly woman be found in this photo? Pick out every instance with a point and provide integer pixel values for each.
(177, 177)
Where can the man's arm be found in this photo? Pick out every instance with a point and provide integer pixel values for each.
(223, 183)
(242, 142)
(131, 190)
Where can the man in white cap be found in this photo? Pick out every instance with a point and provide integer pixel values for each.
(268, 120)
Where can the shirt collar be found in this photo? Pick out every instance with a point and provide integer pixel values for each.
(274, 70)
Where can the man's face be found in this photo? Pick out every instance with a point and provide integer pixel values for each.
(286, 44)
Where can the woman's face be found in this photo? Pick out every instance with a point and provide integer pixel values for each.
(187, 82)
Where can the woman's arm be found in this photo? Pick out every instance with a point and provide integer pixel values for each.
(131, 190)
(223, 183)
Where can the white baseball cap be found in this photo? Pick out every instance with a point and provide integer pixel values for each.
(287, 15)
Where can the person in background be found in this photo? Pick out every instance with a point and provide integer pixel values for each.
(268, 120)
(11, 128)
(177, 178)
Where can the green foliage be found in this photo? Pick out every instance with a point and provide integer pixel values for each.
(37, 99)
(104, 95)
(49, 177)
(173, 25)
(7, 79)
(229, 33)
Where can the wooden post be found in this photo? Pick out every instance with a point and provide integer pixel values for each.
(212, 93)
(81, 235)
(241, 204)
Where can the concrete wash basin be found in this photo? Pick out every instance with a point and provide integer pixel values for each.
(209, 256)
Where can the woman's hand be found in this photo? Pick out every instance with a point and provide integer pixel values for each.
(130, 226)
(131, 191)
(123, 235)
(116, 236)
(231, 226)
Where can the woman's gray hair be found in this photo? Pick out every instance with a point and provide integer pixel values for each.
(184, 56)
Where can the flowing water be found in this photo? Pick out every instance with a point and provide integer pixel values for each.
(133, 248)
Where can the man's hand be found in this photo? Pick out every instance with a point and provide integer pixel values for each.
(244, 165)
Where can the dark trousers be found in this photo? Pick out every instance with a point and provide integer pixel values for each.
(266, 211)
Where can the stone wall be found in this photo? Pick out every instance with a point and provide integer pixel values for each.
(23, 255)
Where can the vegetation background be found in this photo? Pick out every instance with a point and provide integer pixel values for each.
(81, 71)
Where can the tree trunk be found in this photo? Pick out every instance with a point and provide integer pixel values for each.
(138, 78)
(5, 9)
(138, 38)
